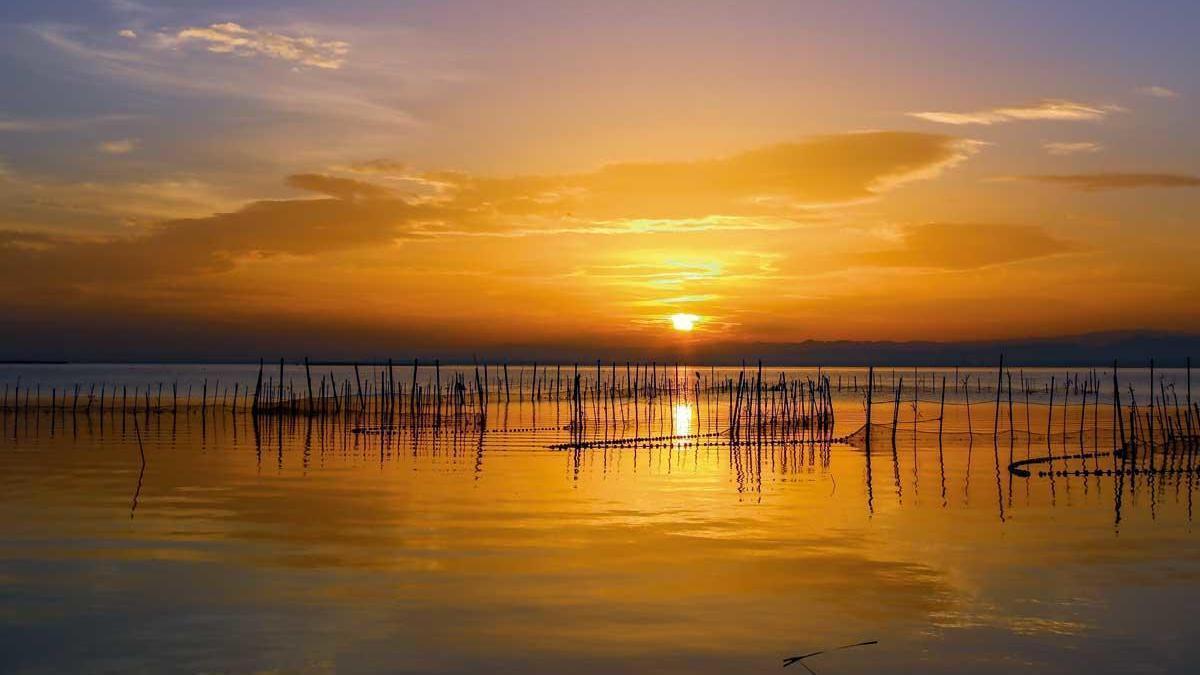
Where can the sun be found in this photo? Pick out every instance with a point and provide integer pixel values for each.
(684, 322)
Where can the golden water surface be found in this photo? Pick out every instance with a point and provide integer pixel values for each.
(297, 545)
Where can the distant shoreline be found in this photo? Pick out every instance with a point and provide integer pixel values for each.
(1091, 350)
(1159, 364)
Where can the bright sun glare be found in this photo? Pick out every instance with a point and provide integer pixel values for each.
(684, 322)
(682, 419)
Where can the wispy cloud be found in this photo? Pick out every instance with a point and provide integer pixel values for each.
(33, 201)
(967, 246)
(232, 38)
(156, 65)
(121, 146)
(1072, 148)
(1158, 92)
(41, 125)
(339, 188)
(1094, 182)
(380, 167)
(819, 172)
(1048, 109)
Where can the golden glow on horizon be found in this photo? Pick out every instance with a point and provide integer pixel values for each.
(684, 322)
(521, 200)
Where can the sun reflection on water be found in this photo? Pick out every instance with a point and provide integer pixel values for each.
(682, 419)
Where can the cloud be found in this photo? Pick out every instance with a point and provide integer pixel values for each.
(964, 247)
(82, 205)
(210, 244)
(157, 65)
(1072, 148)
(340, 188)
(755, 190)
(232, 38)
(32, 241)
(1047, 109)
(1093, 182)
(779, 179)
(380, 167)
(127, 33)
(121, 146)
(1158, 92)
(43, 125)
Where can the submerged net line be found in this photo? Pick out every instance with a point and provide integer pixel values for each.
(699, 440)
(977, 431)
(988, 402)
(1172, 454)
(374, 430)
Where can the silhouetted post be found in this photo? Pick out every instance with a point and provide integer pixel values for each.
(1066, 405)
(308, 376)
(999, 379)
(1135, 435)
(896, 408)
(1011, 431)
(1119, 422)
(1150, 414)
(870, 394)
(412, 395)
(482, 397)
(1083, 411)
(362, 400)
(758, 384)
(1188, 410)
(392, 394)
(736, 414)
(942, 410)
(257, 389)
(1050, 412)
(967, 402)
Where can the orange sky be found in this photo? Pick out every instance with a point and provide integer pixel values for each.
(582, 175)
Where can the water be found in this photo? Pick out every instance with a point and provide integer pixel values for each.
(296, 545)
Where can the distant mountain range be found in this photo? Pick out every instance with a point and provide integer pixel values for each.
(1129, 348)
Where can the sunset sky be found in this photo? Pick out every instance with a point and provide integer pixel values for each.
(247, 176)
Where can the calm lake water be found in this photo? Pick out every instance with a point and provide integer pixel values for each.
(299, 545)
